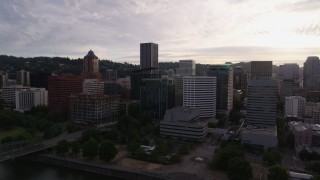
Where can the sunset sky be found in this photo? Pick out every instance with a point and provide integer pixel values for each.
(208, 31)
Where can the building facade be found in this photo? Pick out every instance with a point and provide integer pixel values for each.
(261, 69)
(288, 87)
(93, 86)
(295, 106)
(178, 82)
(60, 88)
(28, 98)
(23, 78)
(224, 92)
(240, 78)
(183, 123)
(311, 74)
(149, 56)
(9, 94)
(199, 92)
(289, 72)
(186, 67)
(91, 66)
(157, 95)
(92, 109)
(111, 75)
(262, 102)
(4, 77)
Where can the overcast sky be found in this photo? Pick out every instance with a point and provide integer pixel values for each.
(208, 31)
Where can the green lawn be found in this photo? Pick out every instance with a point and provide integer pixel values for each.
(14, 132)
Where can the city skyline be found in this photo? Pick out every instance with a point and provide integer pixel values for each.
(210, 32)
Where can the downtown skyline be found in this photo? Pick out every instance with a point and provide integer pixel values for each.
(209, 32)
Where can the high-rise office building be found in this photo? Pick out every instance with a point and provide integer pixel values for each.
(294, 106)
(9, 94)
(93, 86)
(224, 74)
(60, 88)
(311, 74)
(4, 77)
(157, 95)
(28, 98)
(93, 109)
(289, 71)
(186, 67)
(39, 79)
(23, 78)
(262, 102)
(178, 83)
(200, 92)
(261, 69)
(240, 78)
(111, 75)
(91, 66)
(149, 56)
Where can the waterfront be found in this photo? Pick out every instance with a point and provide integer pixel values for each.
(25, 170)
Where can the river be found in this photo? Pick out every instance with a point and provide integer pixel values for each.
(25, 170)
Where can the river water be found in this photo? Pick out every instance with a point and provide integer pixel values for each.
(25, 170)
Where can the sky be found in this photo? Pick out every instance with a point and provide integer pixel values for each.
(208, 31)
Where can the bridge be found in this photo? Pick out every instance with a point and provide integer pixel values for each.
(22, 148)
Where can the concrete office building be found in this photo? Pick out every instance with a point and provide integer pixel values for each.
(261, 69)
(149, 56)
(224, 95)
(28, 98)
(124, 82)
(111, 75)
(240, 78)
(186, 67)
(93, 86)
(311, 74)
(92, 109)
(9, 94)
(184, 123)
(4, 77)
(262, 102)
(295, 106)
(289, 72)
(91, 66)
(200, 92)
(288, 87)
(157, 95)
(260, 139)
(310, 107)
(23, 78)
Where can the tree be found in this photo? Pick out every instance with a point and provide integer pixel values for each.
(222, 156)
(90, 148)
(62, 147)
(7, 139)
(290, 140)
(239, 168)
(90, 133)
(277, 173)
(304, 154)
(314, 166)
(272, 156)
(107, 150)
(75, 148)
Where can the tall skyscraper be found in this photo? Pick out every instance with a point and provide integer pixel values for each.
(60, 88)
(186, 67)
(295, 106)
(240, 78)
(261, 69)
(200, 92)
(149, 56)
(178, 83)
(91, 66)
(157, 95)
(289, 71)
(262, 102)
(311, 74)
(224, 74)
(23, 78)
(4, 77)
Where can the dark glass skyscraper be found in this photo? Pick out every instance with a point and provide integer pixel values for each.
(311, 74)
(149, 56)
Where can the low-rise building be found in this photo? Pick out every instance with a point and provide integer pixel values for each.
(9, 94)
(305, 134)
(259, 138)
(184, 123)
(28, 98)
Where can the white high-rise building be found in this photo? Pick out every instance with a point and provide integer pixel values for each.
(28, 98)
(295, 106)
(93, 86)
(186, 67)
(262, 102)
(200, 92)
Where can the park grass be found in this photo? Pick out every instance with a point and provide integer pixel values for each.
(13, 132)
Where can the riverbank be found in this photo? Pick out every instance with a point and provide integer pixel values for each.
(107, 170)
